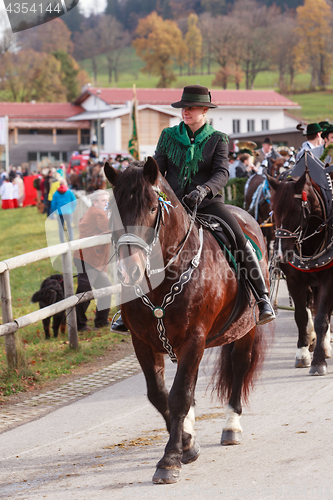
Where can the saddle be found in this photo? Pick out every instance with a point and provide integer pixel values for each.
(225, 237)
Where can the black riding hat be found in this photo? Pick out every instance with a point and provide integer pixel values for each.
(195, 95)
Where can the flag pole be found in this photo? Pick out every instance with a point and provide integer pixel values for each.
(7, 144)
(133, 145)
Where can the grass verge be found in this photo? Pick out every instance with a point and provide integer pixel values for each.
(39, 361)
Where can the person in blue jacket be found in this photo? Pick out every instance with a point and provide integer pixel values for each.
(64, 204)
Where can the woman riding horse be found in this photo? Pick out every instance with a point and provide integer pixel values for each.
(193, 157)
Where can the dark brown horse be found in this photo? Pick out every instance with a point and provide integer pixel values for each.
(298, 213)
(185, 311)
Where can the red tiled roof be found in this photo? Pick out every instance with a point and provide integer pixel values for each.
(39, 110)
(167, 96)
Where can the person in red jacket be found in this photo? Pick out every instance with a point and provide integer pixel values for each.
(91, 263)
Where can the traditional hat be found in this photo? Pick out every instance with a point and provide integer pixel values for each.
(324, 124)
(195, 95)
(313, 128)
(327, 130)
(245, 150)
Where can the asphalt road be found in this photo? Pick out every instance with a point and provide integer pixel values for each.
(106, 445)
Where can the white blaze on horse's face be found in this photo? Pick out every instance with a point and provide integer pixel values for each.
(279, 252)
(131, 265)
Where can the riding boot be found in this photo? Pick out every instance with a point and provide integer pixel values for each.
(257, 284)
(118, 326)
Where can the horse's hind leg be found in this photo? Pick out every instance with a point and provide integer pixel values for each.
(239, 364)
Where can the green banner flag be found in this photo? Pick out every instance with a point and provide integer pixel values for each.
(133, 144)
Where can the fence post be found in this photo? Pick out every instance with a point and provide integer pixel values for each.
(67, 270)
(7, 317)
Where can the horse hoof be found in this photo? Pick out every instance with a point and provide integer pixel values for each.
(302, 362)
(230, 438)
(166, 476)
(318, 370)
(191, 454)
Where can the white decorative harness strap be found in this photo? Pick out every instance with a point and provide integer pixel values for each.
(176, 288)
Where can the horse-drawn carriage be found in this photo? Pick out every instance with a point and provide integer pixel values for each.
(303, 215)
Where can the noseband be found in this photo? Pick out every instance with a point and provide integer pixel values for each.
(131, 239)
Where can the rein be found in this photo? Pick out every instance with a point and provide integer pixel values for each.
(282, 233)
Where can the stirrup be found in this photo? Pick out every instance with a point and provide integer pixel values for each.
(120, 328)
(265, 316)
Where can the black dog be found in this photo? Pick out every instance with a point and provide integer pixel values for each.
(52, 291)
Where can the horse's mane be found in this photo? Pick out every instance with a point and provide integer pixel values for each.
(132, 190)
(283, 198)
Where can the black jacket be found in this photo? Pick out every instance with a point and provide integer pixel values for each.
(212, 171)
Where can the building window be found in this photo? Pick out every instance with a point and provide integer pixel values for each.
(101, 131)
(250, 125)
(64, 156)
(235, 126)
(85, 136)
(54, 156)
(32, 156)
(264, 124)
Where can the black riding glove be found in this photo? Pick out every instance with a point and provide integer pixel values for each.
(196, 196)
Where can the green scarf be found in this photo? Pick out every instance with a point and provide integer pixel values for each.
(176, 145)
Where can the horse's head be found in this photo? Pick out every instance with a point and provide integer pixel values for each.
(277, 167)
(139, 194)
(292, 203)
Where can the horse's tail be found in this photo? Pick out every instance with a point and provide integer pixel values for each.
(223, 377)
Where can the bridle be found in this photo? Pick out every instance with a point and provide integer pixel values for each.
(131, 239)
(282, 233)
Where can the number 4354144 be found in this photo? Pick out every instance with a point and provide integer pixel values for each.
(24, 8)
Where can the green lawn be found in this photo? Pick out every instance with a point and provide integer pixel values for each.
(23, 230)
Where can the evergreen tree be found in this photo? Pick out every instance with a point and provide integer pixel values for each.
(113, 9)
(69, 70)
(73, 19)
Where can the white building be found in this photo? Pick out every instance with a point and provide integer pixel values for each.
(241, 113)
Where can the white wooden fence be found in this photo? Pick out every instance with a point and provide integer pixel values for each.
(10, 326)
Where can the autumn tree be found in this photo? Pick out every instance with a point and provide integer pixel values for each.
(193, 40)
(48, 37)
(314, 31)
(221, 35)
(88, 45)
(114, 38)
(28, 75)
(284, 55)
(160, 44)
(254, 37)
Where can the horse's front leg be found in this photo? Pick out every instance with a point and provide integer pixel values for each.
(303, 318)
(152, 365)
(237, 363)
(322, 328)
(181, 446)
